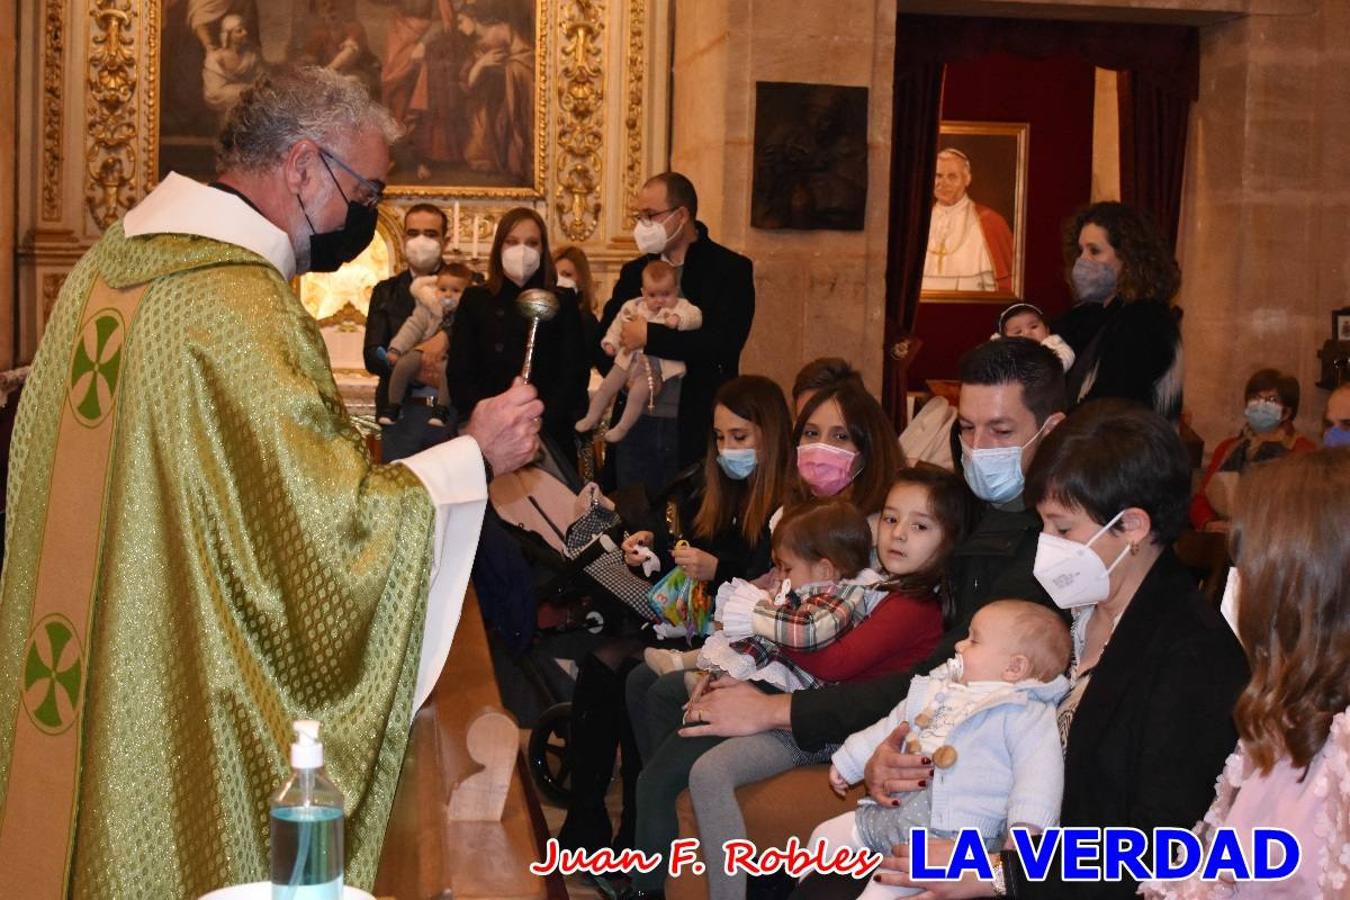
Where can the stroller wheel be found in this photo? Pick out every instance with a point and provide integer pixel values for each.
(549, 763)
(594, 621)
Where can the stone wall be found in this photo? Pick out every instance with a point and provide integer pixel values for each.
(1266, 222)
(818, 292)
(1266, 216)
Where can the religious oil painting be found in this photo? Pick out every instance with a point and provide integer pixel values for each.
(976, 232)
(810, 156)
(463, 77)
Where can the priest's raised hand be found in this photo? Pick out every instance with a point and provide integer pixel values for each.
(506, 427)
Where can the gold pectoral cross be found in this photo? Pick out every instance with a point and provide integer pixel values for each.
(941, 253)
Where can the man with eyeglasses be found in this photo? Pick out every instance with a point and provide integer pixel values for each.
(200, 548)
(720, 282)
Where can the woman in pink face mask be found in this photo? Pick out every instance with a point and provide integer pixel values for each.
(846, 448)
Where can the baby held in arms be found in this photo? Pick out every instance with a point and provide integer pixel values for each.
(660, 304)
(987, 719)
(1027, 321)
(821, 550)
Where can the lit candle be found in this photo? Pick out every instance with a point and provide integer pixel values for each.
(474, 255)
(455, 243)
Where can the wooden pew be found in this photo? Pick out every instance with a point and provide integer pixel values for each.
(425, 854)
(786, 805)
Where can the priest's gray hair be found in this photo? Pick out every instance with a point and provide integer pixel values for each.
(289, 105)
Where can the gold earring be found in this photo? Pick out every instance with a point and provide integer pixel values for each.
(1134, 549)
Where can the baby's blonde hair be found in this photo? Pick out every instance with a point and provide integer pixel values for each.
(658, 271)
(1039, 634)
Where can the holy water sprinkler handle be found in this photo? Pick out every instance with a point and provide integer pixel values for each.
(537, 305)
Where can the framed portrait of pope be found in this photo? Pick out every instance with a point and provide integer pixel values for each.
(976, 229)
(465, 78)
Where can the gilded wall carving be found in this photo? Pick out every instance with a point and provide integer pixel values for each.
(111, 109)
(581, 118)
(51, 290)
(53, 89)
(108, 51)
(633, 121)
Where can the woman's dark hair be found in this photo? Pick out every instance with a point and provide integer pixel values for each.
(1149, 271)
(1285, 385)
(1293, 555)
(823, 372)
(826, 529)
(871, 432)
(585, 280)
(1110, 455)
(956, 510)
(1019, 361)
(752, 501)
(510, 220)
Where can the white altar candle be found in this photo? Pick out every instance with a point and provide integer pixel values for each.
(474, 255)
(455, 242)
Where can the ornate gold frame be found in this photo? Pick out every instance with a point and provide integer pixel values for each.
(1020, 131)
(543, 56)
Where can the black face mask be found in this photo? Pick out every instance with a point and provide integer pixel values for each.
(329, 250)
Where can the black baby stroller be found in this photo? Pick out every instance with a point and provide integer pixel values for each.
(550, 541)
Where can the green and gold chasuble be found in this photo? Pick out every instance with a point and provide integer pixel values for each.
(199, 550)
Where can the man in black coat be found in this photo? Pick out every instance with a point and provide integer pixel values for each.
(720, 282)
(391, 303)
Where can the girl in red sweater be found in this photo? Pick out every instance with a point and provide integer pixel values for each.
(927, 512)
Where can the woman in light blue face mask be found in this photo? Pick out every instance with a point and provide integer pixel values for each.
(1147, 722)
(1123, 331)
(1270, 405)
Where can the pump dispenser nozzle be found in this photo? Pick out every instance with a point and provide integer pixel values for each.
(306, 752)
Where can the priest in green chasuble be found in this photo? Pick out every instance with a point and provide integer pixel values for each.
(200, 549)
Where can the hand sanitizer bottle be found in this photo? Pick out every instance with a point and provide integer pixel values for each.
(307, 825)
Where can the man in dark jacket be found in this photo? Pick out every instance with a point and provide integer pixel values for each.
(391, 303)
(720, 283)
(1012, 395)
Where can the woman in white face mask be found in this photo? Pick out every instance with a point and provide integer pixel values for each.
(574, 271)
(487, 346)
(1155, 670)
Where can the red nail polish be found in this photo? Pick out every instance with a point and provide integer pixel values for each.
(923, 782)
(930, 773)
(927, 762)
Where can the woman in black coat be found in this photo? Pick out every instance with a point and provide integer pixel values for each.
(1124, 333)
(1148, 721)
(487, 346)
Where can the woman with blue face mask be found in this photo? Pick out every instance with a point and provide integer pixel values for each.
(1155, 671)
(722, 532)
(1270, 405)
(1123, 330)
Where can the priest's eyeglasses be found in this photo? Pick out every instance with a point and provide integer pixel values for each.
(371, 191)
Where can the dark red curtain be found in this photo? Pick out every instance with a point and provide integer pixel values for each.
(1153, 121)
(916, 108)
(1161, 69)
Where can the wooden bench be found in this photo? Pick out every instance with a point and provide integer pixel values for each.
(777, 808)
(425, 854)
